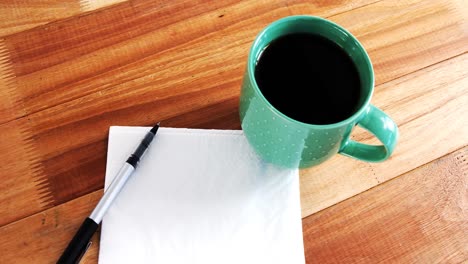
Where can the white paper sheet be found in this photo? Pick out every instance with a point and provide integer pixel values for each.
(200, 196)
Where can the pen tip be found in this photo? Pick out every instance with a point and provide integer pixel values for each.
(155, 128)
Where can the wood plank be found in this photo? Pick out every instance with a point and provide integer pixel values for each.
(18, 16)
(419, 204)
(405, 36)
(142, 51)
(42, 237)
(430, 108)
(54, 57)
(90, 5)
(398, 43)
(10, 107)
(420, 217)
(123, 70)
(135, 49)
(23, 183)
(22, 15)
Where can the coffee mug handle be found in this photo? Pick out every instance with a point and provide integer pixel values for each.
(383, 127)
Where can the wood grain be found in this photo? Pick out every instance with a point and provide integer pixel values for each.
(414, 35)
(21, 15)
(123, 70)
(63, 82)
(41, 238)
(420, 217)
(90, 5)
(429, 107)
(426, 208)
(127, 64)
(10, 107)
(25, 186)
(17, 16)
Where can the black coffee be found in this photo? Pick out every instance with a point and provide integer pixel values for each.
(309, 78)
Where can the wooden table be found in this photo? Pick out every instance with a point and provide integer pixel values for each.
(71, 69)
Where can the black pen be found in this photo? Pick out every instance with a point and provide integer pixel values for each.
(82, 239)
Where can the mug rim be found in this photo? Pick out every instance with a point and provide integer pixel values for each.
(253, 57)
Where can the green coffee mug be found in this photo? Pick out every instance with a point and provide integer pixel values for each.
(284, 141)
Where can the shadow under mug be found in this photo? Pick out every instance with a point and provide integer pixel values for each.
(284, 141)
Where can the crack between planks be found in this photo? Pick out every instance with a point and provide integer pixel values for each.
(463, 165)
(25, 131)
(34, 165)
(87, 3)
(358, 7)
(50, 209)
(401, 76)
(43, 184)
